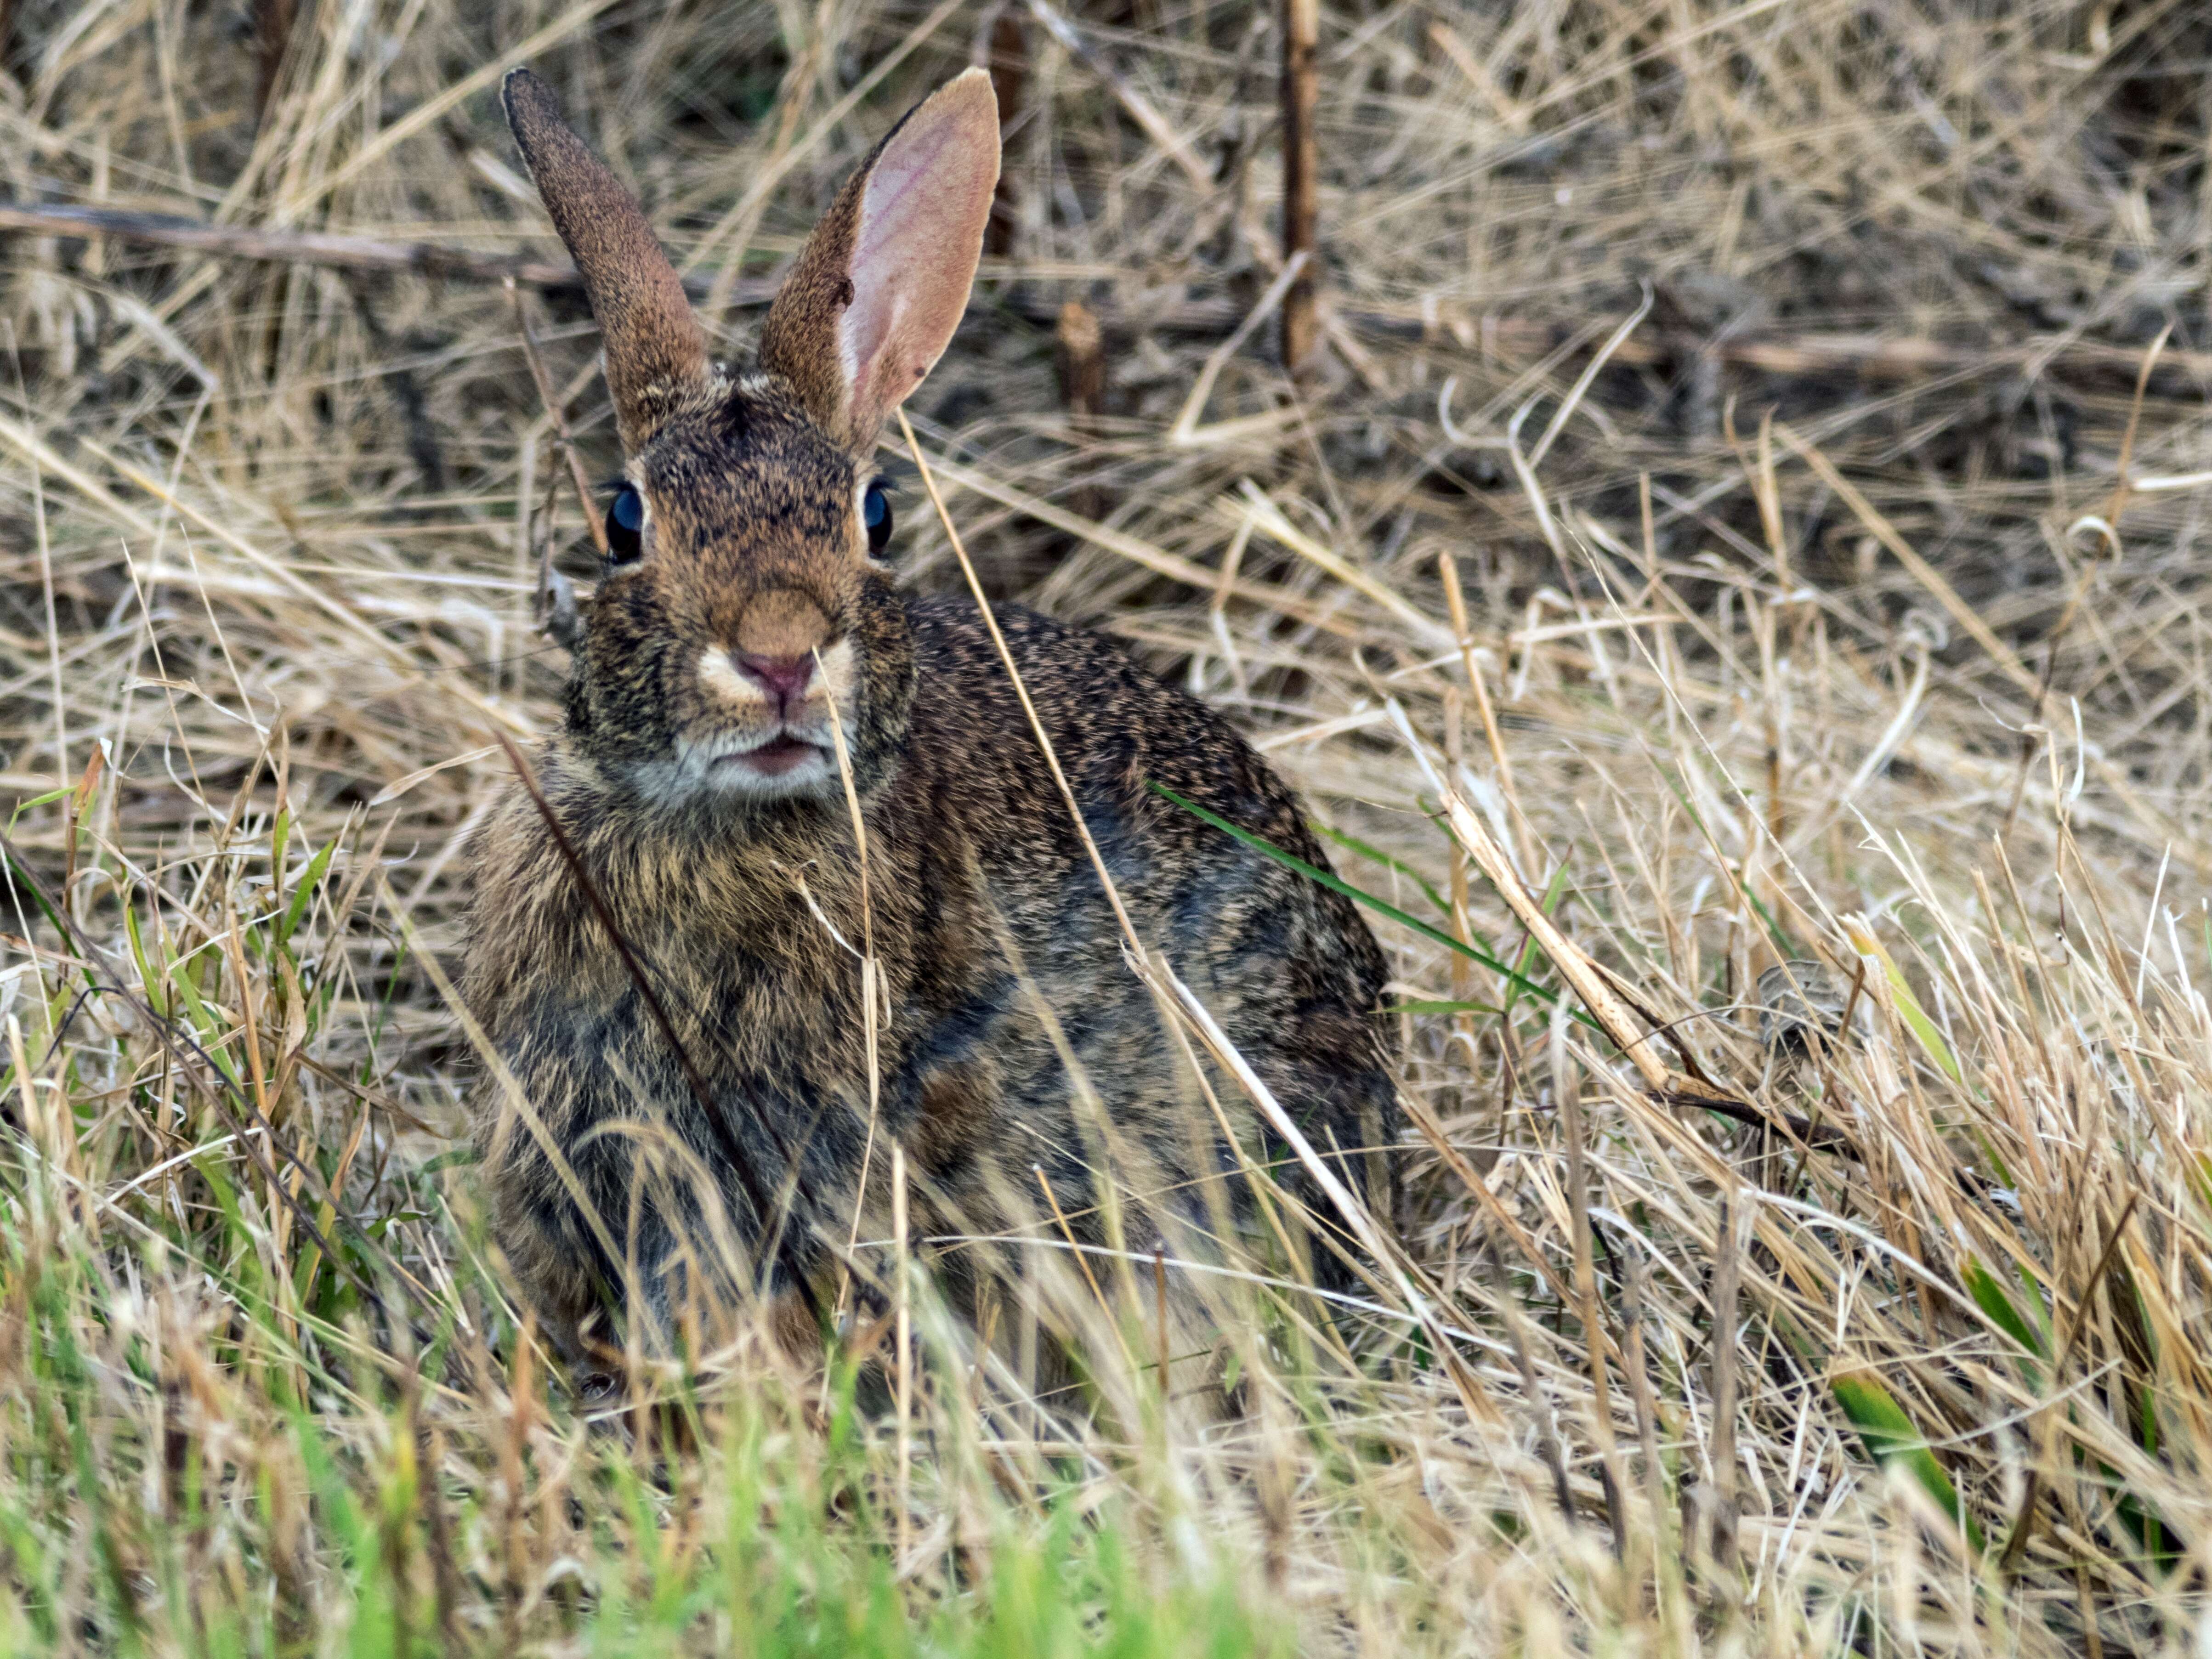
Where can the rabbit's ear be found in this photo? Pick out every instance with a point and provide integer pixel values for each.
(880, 285)
(656, 353)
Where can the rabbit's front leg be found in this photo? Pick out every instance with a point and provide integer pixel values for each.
(536, 1232)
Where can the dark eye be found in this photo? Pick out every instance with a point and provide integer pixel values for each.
(876, 514)
(625, 527)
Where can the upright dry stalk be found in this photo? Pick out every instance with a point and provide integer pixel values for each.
(1080, 359)
(869, 995)
(1006, 55)
(1567, 1092)
(1463, 630)
(1160, 1309)
(273, 20)
(1667, 1564)
(902, 1337)
(514, 1446)
(558, 419)
(1722, 1458)
(1301, 35)
(1547, 1430)
(1462, 968)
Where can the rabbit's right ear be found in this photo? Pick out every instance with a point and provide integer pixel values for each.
(881, 285)
(656, 352)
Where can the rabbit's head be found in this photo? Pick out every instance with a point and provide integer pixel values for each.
(743, 607)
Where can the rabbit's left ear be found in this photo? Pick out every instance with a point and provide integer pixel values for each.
(881, 285)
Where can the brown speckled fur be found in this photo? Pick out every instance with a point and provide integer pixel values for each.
(996, 945)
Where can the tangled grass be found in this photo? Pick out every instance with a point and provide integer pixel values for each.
(1846, 609)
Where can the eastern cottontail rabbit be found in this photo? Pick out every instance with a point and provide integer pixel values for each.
(699, 787)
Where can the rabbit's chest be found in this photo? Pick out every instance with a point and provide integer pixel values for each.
(988, 1022)
(781, 999)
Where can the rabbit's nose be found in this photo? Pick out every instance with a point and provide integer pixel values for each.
(784, 678)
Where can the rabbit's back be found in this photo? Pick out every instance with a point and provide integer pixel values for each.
(1284, 965)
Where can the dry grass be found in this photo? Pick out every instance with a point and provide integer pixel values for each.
(1913, 680)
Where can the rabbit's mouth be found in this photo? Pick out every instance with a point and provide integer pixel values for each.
(781, 755)
(779, 766)
(783, 762)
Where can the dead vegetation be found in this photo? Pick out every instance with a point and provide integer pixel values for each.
(1743, 506)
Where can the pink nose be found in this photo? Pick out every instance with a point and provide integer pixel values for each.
(784, 678)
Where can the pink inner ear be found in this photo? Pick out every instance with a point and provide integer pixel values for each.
(920, 232)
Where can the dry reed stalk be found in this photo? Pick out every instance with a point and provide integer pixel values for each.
(1006, 54)
(556, 416)
(1532, 1389)
(1567, 1092)
(514, 1446)
(1079, 360)
(1720, 1451)
(1448, 568)
(1462, 969)
(282, 246)
(871, 1000)
(1665, 1545)
(1160, 1315)
(1301, 25)
(273, 22)
(902, 1342)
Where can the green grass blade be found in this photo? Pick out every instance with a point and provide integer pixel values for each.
(33, 804)
(1924, 1030)
(310, 880)
(1990, 1296)
(1891, 1437)
(1353, 844)
(1381, 907)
